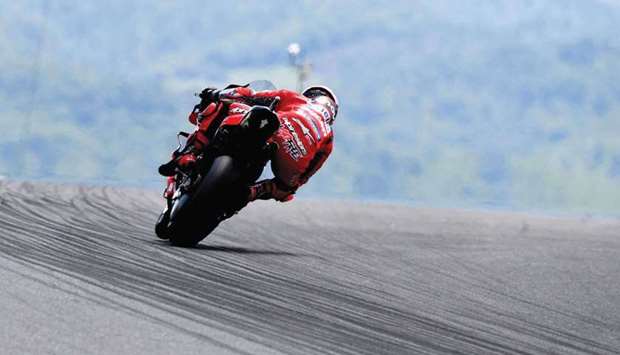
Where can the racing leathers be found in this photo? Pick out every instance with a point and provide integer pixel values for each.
(304, 139)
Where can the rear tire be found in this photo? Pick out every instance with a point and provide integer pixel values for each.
(194, 216)
(161, 226)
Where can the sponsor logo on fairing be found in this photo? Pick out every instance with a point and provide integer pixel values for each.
(237, 110)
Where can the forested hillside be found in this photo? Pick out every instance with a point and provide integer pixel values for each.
(512, 103)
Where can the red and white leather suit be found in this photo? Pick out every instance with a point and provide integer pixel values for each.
(304, 139)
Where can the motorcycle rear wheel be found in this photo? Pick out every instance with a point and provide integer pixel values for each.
(161, 226)
(196, 214)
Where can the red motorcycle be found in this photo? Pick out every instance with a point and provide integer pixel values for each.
(215, 186)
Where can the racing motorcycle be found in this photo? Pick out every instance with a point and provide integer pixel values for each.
(215, 187)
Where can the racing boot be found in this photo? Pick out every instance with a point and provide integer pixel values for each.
(169, 168)
(183, 162)
(270, 189)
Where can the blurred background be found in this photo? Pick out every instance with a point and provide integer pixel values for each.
(466, 103)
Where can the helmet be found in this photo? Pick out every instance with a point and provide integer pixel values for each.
(325, 97)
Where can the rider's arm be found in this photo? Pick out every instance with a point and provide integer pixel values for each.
(247, 94)
(200, 114)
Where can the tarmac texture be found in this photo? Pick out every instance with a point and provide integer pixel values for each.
(81, 272)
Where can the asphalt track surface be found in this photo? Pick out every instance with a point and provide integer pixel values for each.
(81, 272)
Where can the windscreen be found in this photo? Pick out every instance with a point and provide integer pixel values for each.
(261, 85)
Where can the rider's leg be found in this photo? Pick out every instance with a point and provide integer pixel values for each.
(197, 141)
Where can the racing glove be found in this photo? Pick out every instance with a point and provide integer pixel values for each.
(208, 96)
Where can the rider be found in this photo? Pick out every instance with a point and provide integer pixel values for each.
(304, 139)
